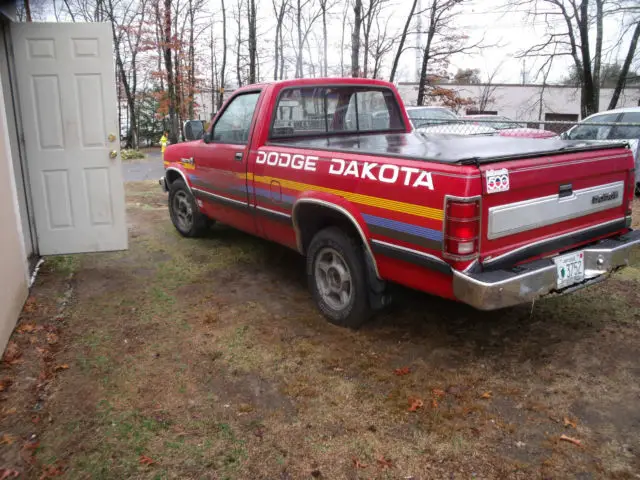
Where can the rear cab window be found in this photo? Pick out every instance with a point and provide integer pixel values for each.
(320, 111)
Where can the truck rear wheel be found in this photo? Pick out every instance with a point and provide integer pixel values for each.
(337, 278)
(185, 215)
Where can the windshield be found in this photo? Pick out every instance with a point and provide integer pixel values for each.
(589, 129)
(313, 111)
(431, 114)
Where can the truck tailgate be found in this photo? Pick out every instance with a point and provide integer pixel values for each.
(537, 206)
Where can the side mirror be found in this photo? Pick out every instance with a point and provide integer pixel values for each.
(193, 130)
(207, 137)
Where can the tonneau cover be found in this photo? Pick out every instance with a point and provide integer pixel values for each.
(452, 149)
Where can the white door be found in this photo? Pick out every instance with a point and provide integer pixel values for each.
(67, 96)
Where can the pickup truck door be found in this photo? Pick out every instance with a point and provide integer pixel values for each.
(219, 178)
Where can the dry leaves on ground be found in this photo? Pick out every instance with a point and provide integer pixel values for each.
(29, 305)
(12, 353)
(5, 383)
(64, 366)
(402, 371)
(7, 439)
(566, 438)
(358, 464)
(8, 473)
(27, 328)
(144, 460)
(486, 395)
(384, 462)
(415, 403)
(569, 422)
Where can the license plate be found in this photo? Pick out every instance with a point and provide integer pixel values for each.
(570, 269)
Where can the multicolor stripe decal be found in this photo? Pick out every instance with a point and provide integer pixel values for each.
(396, 206)
(394, 229)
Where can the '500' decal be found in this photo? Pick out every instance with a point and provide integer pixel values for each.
(385, 172)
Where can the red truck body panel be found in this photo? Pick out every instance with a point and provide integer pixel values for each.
(395, 201)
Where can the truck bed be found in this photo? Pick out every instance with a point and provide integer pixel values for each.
(449, 149)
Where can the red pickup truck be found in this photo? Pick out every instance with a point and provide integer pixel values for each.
(330, 168)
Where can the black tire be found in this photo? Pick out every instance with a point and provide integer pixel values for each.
(325, 245)
(184, 211)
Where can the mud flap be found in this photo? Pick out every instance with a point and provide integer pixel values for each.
(378, 298)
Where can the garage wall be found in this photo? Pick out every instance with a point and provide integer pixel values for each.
(13, 258)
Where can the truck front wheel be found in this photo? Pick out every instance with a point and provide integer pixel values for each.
(337, 278)
(185, 215)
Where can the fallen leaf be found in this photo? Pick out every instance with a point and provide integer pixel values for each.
(486, 395)
(358, 464)
(42, 351)
(12, 353)
(569, 423)
(30, 305)
(26, 328)
(5, 383)
(7, 439)
(52, 471)
(144, 460)
(52, 338)
(384, 462)
(575, 441)
(8, 473)
(9, 411)
(438, 393)
(64, 366)
(434, 403)
(415, 403)
(35, 419)
(31, 445)
(402, 371)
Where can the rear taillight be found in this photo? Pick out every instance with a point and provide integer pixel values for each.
(461, 228)
(631, 188)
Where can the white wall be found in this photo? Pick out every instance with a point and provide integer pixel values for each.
(13, 258)
(521, 102)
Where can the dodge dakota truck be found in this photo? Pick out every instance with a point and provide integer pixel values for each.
(331, 168)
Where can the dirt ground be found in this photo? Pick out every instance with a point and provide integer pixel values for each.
(206, 359)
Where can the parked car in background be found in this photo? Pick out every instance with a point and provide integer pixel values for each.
(528, 133)
(498, 122)
(591, 128)
(421, 116)
(457, 128)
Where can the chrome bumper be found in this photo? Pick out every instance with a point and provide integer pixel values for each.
(524, 283)
(163, 184)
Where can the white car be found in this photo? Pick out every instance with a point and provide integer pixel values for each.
(588, 129)
(425, 116)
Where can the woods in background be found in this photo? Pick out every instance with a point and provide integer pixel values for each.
(176, 57)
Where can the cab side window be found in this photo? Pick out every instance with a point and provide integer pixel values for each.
(627, 132)
(235, 122)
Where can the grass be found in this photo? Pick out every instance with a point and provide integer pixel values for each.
(208, 357)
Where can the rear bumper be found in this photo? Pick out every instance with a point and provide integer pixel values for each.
(524, 283)
(163, 184)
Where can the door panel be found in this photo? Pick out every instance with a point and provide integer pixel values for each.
(222, 164)
(69, 110)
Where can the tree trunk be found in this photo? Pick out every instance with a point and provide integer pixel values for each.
(158, 28)
(300, 46)
(625, 68)
(251, 10)
(325, 45)
(588, 89)
(422, 86)
(355, 39)
(191, 77)
(27, 10)
(168, 63)
(344, 24)
(403, 38)
(224, 56)
(276, 50)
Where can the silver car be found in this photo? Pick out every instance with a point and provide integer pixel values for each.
(589, 129)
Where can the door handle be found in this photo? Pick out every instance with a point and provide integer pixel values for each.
(113, 154)
(238, 157)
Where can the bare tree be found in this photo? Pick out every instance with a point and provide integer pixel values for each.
(224, 56)
(305, 18)
(574, 39)
(168, 63)
(355, 38)
(402, 40)
(344, 23)
(631, 53)
(279, 11)
(443, 41)
(239, 41)
(251, 19)
(325, 61)
(382, 45)
(486, 97)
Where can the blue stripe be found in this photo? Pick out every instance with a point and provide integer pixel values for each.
(403, 227)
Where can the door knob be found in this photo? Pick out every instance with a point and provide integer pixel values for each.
(113, 154)
(112, 137)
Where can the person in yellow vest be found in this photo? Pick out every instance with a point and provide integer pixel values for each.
(163, 143)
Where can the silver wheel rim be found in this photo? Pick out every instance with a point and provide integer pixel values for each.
(182, 211)
(333, 279)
